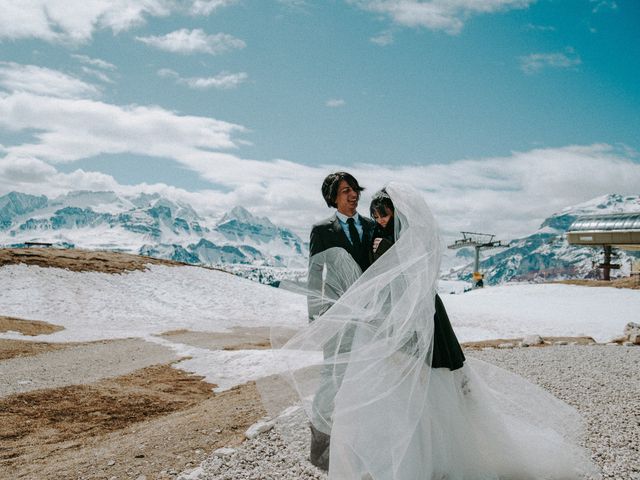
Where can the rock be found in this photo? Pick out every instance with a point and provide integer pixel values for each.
(628, 344)
(111, 463)
(191, 474)
(561, 342)
(257, 428)
(530, 340)
(506, 345)
(624, 338)
(612, 344)
(223, 452)
(635, 338)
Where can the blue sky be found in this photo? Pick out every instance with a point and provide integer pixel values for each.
(530, 104)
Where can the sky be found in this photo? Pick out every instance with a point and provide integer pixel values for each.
(502, 111)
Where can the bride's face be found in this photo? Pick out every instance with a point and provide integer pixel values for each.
(383, 219)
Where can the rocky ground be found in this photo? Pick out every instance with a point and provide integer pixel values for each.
(599, 381)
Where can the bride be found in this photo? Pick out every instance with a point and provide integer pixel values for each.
(393, 409)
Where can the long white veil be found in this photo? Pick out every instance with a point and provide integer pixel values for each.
(371, 385)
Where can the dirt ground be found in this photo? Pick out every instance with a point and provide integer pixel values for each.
(27, 327)
(19, 348)
(155, 422)
(626, 282)
(246, 338)
(79, 260)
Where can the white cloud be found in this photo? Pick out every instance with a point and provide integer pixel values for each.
(222, 81)
(194, 41)
(445, 15)
(103, 77)
(604, 5)
(205, 7)
(297, 5)
(335, 102)
(71, 129)
(168, 73)
(540, 28)
(536, 62)
(94, 62)
(55, 21)
(24, 170)
(509, 196)
(15, 77)
(383, 39)
(58, 21)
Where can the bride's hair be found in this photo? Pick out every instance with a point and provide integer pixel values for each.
(381, 203)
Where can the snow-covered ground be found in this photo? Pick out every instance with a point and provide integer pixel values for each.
(95, 306)
(514, 310)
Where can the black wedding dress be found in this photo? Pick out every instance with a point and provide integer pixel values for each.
(447, 352)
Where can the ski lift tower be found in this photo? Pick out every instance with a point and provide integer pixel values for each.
(478, 241)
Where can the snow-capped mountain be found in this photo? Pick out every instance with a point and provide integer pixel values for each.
(546, 254)
(148, 225)
(256, 248)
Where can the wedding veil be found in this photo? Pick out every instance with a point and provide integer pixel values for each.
(362, 370)
(375, 332)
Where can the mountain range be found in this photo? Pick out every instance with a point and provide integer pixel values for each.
(546, 254)
(152, 225)
(148, 225)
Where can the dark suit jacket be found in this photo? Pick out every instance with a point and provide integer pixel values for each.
(328, 234)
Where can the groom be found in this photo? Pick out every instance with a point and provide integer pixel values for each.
(348, 230)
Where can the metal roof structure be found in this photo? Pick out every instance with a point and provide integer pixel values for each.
(617, 229)
(607, 223)
(621, 230)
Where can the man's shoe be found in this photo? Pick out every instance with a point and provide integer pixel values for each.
(319, 448)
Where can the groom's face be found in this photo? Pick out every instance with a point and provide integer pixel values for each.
(347, 199)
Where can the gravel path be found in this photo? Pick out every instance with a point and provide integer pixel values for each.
(600, 381)
(80, 364)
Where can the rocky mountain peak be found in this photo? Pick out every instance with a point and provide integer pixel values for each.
(16, 203)
(242, 215)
